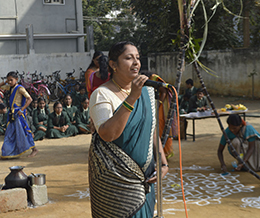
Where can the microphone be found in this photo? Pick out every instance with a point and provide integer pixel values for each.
(156, 84)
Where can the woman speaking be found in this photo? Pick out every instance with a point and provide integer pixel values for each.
(121, 159)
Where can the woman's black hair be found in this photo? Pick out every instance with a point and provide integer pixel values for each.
(234, 119)
(115, 51)
(82, 100)
(12, 74)
(45, 107)
(103, 70)
(96, 54)
(58, 121)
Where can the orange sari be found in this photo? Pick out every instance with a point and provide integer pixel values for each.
(163, 112)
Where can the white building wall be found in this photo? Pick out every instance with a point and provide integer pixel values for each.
(61, 20)
(45, 63)
(232, 70)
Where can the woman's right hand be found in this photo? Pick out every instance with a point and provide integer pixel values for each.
(137, 85)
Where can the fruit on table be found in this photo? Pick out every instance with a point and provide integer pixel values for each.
(228, 107)
(235, 107)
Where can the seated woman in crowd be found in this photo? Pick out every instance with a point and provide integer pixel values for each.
(59, 125)
(245, 140)
(70, 109)
(40, 119)
(82, 117)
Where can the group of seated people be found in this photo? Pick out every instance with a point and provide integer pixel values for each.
(193, 99)
(70, 116)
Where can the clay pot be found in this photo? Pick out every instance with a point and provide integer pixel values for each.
(16, 178)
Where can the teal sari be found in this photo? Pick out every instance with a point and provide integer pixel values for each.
(118, 169)
(18, 137)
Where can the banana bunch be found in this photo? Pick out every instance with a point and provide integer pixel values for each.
(228, 107)
(235, 107)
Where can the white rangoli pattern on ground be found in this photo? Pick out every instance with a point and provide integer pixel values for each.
(251, 202)
(199, 189)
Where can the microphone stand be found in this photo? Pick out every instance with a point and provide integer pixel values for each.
(158, 158)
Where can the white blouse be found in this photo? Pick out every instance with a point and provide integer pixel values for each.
(102, 104)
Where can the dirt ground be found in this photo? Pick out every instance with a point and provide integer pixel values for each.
(208, 194)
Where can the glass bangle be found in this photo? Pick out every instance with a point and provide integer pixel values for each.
(128, 106)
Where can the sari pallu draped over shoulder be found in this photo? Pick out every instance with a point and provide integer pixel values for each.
(18, 138)
(118, 169)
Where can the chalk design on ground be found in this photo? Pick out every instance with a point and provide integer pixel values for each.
(194, 167)
(253, 202)
(199, 189)
(81, 194)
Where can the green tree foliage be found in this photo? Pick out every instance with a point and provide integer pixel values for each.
(161, 20)
(225, 27)
(123, 26)
(154, 25)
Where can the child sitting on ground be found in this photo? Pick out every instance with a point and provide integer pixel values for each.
(59, 125)
(82, 94)
(82, 117)
(70, 109)
(74, 92)
(32, 106)
(40, 119)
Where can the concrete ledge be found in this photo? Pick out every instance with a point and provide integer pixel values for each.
(13, 199)
(38, 194)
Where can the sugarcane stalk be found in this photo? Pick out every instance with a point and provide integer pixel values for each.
(180, 69)
(240, 160)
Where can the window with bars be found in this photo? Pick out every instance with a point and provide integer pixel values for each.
(54, 2)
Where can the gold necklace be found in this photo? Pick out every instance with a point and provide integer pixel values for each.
(120, 88)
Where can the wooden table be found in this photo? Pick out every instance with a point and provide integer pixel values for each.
(205, 115)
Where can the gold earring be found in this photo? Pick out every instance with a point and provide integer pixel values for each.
(114, 70)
